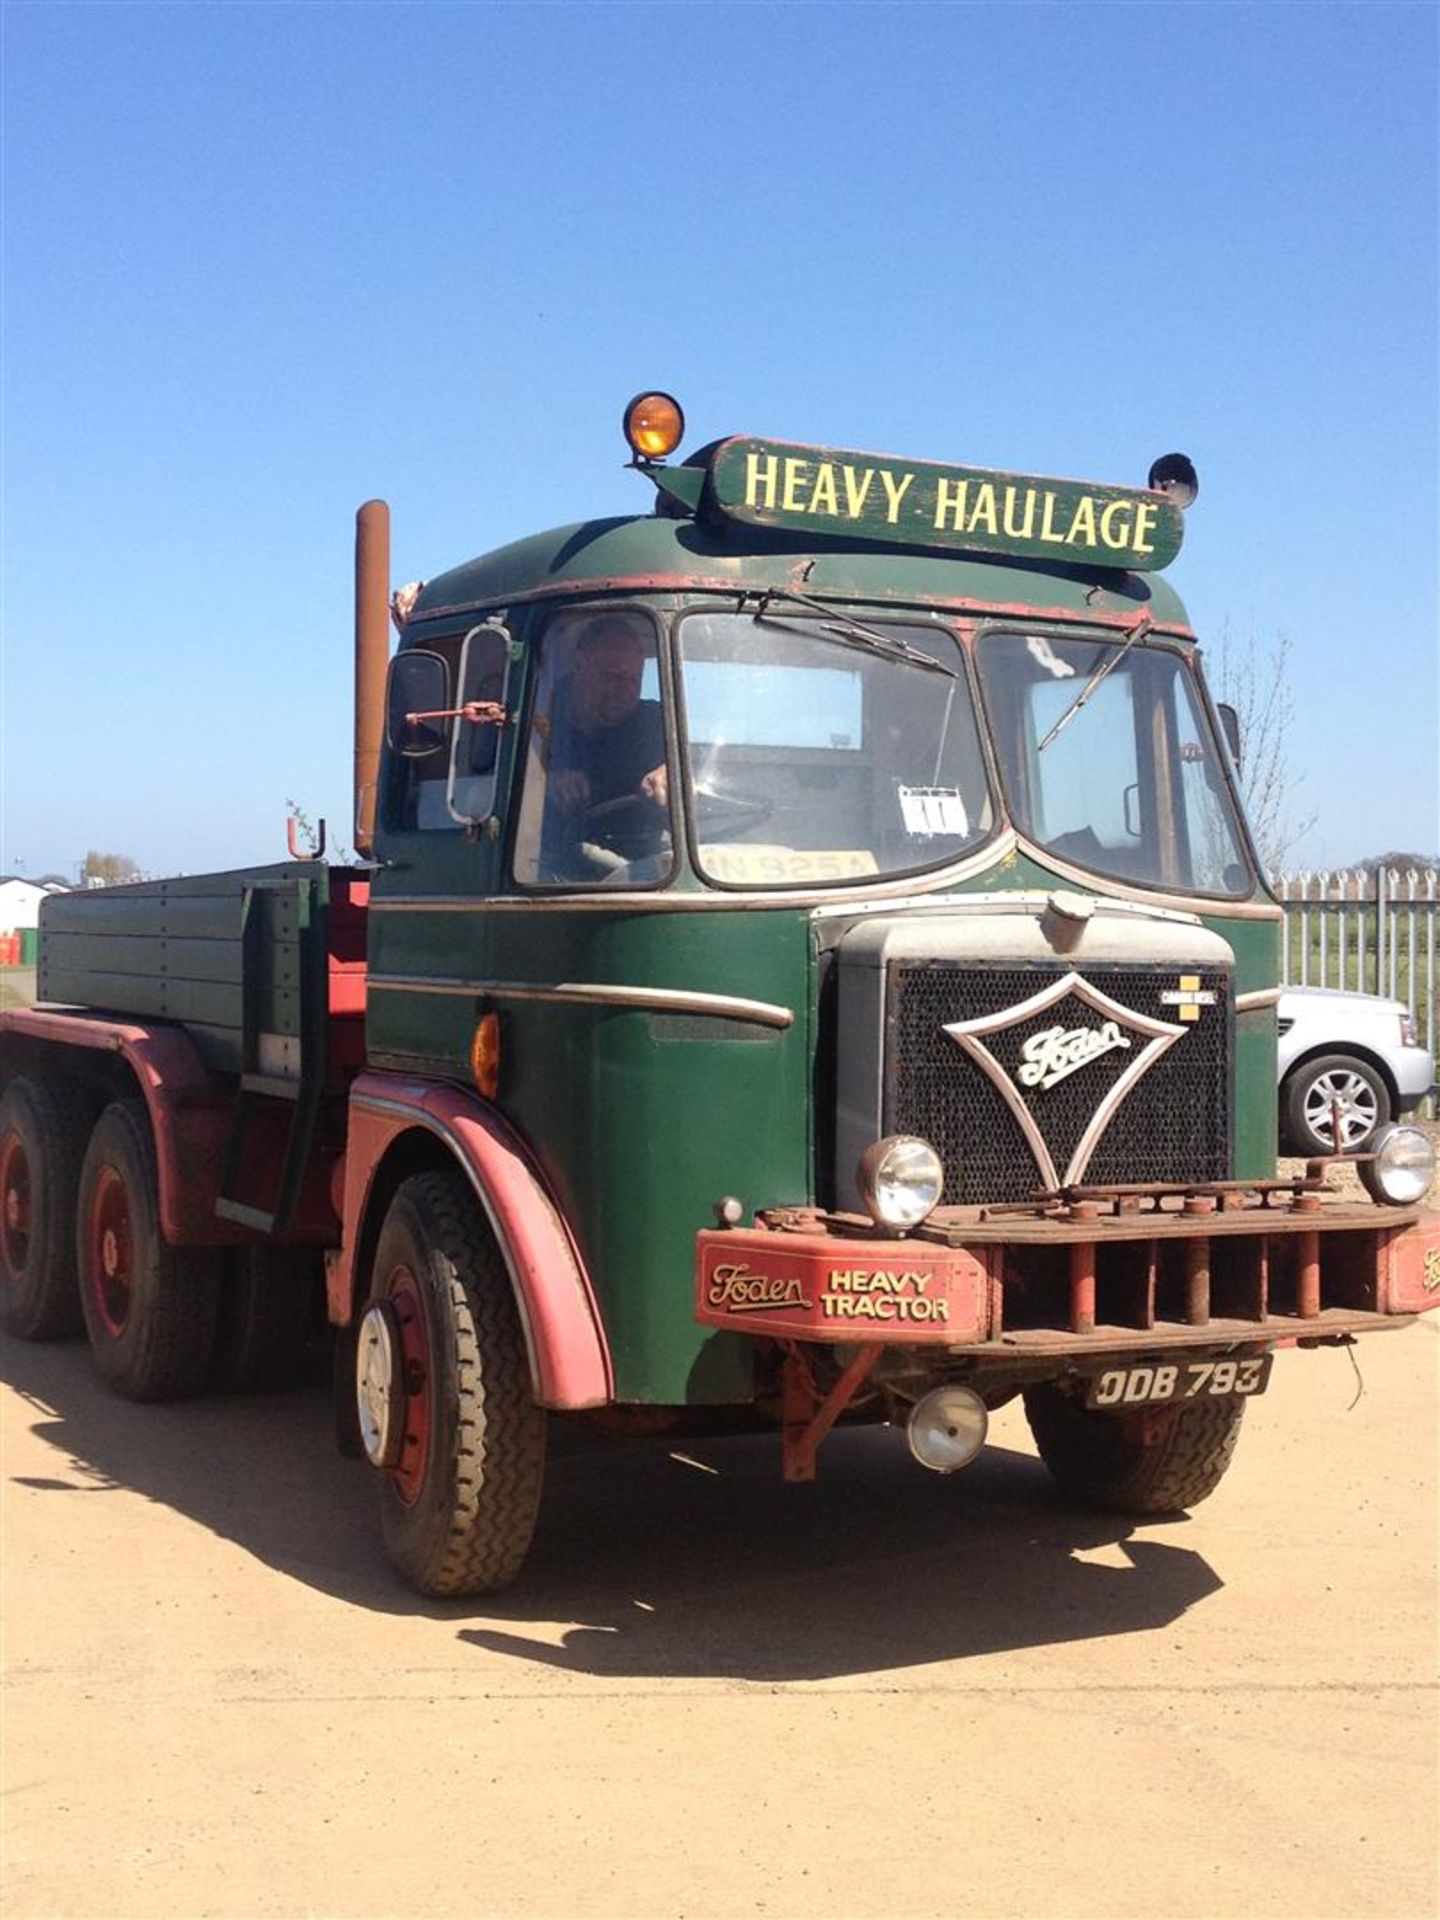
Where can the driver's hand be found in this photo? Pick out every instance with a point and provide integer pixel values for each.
(570, 787)
(656, 785)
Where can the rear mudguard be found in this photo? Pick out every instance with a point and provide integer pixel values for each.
(191, 1112)
(569, 1359)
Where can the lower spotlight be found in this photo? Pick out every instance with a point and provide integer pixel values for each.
(947, 1428)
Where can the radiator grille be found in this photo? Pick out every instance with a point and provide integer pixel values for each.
(1173, 1125)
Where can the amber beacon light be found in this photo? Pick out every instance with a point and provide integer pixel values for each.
(654, 425)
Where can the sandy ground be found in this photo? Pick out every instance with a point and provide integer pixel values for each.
(714, 1695)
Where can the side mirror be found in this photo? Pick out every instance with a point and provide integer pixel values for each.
(418, 684)
(475, 750)
(1230, 727)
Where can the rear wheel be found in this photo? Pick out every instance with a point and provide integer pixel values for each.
(150, 1308)
(42, 1142)
(443, 1395)
(1160, 1460)
(269, 1318)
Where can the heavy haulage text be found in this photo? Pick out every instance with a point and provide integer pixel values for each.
(1017, 510)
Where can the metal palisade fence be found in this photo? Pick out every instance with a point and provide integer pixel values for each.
(1373, 930)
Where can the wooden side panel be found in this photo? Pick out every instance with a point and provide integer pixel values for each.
(177, 950)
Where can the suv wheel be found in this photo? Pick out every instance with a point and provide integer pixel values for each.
(1315, 1090)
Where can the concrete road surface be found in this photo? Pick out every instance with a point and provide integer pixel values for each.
(886, 1694)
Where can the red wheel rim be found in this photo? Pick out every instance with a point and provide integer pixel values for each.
(110, 1268)
(408, 1473)
(14, 1202)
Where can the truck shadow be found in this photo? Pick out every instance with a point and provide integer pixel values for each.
(690, 1559)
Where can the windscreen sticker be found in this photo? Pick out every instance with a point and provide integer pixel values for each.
(932, 810)
(1040, 650)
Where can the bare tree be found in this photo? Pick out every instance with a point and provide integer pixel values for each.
(1254, 678)
(107, 869)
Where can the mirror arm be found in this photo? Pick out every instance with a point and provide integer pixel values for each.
(479, 713)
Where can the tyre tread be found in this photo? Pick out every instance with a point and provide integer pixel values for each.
(167, 1351)
(48, 1307)
(499, 1445)
(1094, 1459)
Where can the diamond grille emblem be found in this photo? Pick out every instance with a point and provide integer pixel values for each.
(1050, 1055)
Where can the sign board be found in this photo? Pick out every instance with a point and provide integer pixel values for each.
(771, 483)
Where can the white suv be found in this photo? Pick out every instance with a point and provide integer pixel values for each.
(1353, 1051)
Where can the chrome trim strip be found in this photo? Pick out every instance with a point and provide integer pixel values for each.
(1255, 1002)
(717, 1006)
(1118, 889)
(1029, 900)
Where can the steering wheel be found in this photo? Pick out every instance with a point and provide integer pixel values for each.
(723, 812)
(616, 809)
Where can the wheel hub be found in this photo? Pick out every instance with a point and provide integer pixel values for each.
(110, 1276)
(15, 1180)
(380, 1385)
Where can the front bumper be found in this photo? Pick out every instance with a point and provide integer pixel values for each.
(1422, 1088)
(1129, 1269)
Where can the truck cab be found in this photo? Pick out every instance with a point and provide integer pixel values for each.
(898, 791)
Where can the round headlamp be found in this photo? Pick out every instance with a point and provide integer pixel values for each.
(900, 1180)
(1402, 1169)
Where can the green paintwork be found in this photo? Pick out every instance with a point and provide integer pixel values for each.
(770, 483)
(641, 1120)
(651, 555)
(1256, 945)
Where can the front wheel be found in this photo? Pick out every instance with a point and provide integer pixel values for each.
(443, 1395)
(1160, 1460)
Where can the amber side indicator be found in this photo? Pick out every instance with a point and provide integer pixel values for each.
(654, 425)
(485, 1054)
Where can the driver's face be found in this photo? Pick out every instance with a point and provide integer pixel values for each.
(607, 676)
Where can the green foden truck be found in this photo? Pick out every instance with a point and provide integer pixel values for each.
(808, 963)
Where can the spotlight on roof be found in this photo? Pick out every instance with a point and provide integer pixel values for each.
(1174, 473)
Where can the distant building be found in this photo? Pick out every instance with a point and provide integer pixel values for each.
(20, 902)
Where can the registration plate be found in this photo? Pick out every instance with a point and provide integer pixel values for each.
(1153, 1385)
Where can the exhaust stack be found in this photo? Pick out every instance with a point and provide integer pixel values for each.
(372, 651)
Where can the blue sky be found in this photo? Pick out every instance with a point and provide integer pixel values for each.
(264, 261)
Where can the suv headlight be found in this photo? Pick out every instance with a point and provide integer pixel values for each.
(1403, 1167)
(1409, 1033)
(900, 1180)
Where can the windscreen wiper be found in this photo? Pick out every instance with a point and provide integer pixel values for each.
(1102, 672)
(849, 632)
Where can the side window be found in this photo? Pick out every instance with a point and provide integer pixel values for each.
(594, 807)
(442, 765)
(475, 748)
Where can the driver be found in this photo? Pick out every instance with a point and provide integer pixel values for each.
(604, 750)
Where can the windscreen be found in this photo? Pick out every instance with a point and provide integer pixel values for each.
(819, 753)
(1108, 759)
